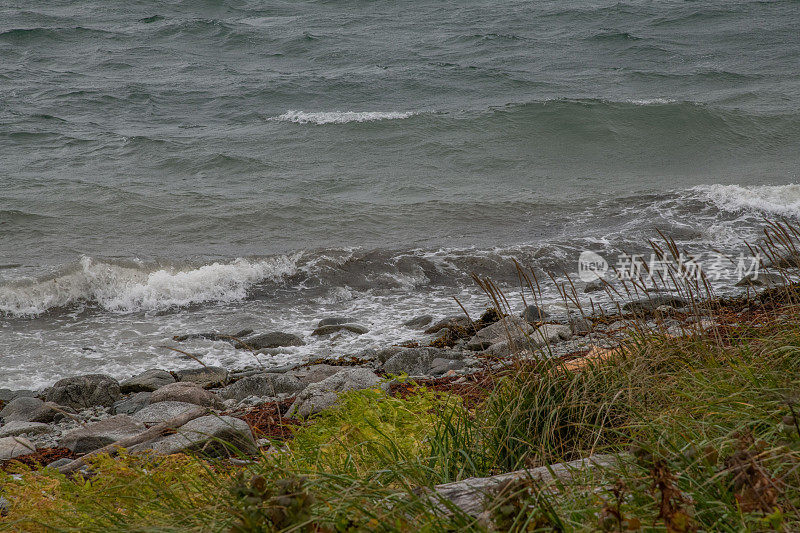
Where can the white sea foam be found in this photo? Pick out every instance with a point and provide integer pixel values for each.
(125, 289)
(782, 200)
(340, 117)
(651, 101)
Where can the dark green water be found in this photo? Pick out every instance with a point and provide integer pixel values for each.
(173, 166)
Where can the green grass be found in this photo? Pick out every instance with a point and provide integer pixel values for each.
(704, 425)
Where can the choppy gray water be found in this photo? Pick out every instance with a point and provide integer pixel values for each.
(169, 167)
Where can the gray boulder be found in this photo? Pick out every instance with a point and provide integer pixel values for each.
(416, 361)
(132, 404)
(186, 392)
(335, 321)
(441, 366)
(81, 392)
(262, 385)
(594, 286)
(580, 325)
(533, 313)
(763, 279)
(160, 412)
(418, 322)
(551, 334)
(147, 381)
(6, 395)
(313, 373)
(515, 328)
(27, 409)
(335, 328)
(102, 433)
(325, 394)
(454, 321)
(12, 447)
(207, 376)
(654, 302)
(275, 339)
(15, 428)
(209, 435)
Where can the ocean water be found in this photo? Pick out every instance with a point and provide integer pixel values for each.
(173, 167)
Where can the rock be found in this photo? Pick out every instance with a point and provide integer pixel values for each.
(6, 395)
(455, 321)
(262, 385)
(762, 279)
(785, 259)
(517, 328)
(59, 463)
(161, 412)
(580, 325)
(147, 381)
(594, 286)
(418, 322)
(186, 392)
(551, 334)
(335, 321)
(209, 435)
(533, 313)
(11, 447)
(334, 328)
(441, 366)
(653, 302)
(132, 404)
(314, 373)
(275, 339)
(214, 336)
(207, 376)
(27, 409)
(102, 433)
(15, 428)
(81, 392)
(416, 361)
(5, 506)
(325, 394)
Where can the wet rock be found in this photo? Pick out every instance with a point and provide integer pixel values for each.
(58, 463)
(147, 381)
(534, 313)
(314, 373)
(160, 412)
(262, 385)
(132, 404)
(653, 302)
(455, 321)
(418, 322)
(335, 321)
(594, 286)
(99, 434)
(275, 339)
(207, 376)
(500, 331)
(334, 328)
(27, 409)
(441, 366)
(81, 392)
(11, 447)
(6, 395)
(325, 394)
(416, 361)
(186, 392)
(5, 506)
(209, 435)
(214, 336)
(15, 428)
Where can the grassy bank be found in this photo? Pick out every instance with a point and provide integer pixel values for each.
(706, 427)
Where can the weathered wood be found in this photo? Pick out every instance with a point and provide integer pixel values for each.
(151, 434)
(471, 495)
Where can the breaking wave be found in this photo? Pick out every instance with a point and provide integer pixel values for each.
(340, 117)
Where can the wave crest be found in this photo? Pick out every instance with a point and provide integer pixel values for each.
(782, 200)
(340, 117)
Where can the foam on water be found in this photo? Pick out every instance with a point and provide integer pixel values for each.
(782, 200)
(340, 117)
(124, 289)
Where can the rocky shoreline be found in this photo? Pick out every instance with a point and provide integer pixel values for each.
(81, 414)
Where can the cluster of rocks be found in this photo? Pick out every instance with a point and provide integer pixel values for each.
(85, 413)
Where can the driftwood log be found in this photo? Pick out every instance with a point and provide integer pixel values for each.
(151, 434)
(471, 495)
